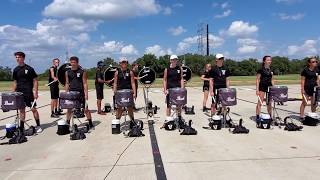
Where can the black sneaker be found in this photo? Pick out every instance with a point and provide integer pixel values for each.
(54, 115)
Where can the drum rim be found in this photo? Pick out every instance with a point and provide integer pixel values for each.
(190, 71)
(155, 75)
(104, 72)
(11, 93)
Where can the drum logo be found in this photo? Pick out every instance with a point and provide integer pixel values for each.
(229, 99)
(146, 71)
(7, 103)
(67, 102)
(180, 98)
(123, 100)
(283, 95)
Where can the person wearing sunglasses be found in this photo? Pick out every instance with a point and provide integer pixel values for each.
(309, 80)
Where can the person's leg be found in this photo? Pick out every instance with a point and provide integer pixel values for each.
(130, 112)
(303, 105)
(22, 118)
(68, 116)
(99, 105)
(119, 112)
(88, 114)
(258, 107)
(205, 99)
(313, 105)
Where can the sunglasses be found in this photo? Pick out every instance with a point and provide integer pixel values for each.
(314, 62)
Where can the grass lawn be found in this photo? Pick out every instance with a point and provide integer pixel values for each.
(195, 82)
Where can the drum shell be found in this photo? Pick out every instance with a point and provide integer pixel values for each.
(109, 75)
(70, 100)
(178, 96)
(278, 93)
(227, 96)
(186, 73)
(124, 98)
(317, 94)
(148, 79)
(12, 101)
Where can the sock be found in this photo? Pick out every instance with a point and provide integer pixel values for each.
(21, 126)
(52, 112)
(257, 117)
(90, 122)
(56, 110)
(38, 122)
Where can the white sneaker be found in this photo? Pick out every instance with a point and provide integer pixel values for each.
(38, 129)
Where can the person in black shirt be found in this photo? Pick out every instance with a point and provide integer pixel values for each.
(264, 79)
(99, 83)
(205, 77)
(219, 79)
(54, 87)
(76, 80)
(25, 81)
(309, 80)
(124, 79)
(172, 78)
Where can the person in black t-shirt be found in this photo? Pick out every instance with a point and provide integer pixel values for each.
(264, 79)
(219, 79)
(54, 87)
(25, 81)
(124, 79)
(76, 80)
(99, 83)
(172, 78)
(309, 80)
(205, 77)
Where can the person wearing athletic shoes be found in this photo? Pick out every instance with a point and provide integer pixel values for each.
(54, 87)
(205, 77)
(99, 84)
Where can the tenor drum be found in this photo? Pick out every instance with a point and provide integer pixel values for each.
(186, 73)
(147, 76)
(124, 98)
(317, 95)
(227, 96)
(70, 100)
(12, 101)
(178, 96)
(109, 75)
(278, 93)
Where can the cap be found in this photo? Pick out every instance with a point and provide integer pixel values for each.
(219, 56)
(173, 57)
(123, 59)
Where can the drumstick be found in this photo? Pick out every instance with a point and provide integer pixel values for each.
(304, 97)
(50, 83)
(33, 103)
(260, 100)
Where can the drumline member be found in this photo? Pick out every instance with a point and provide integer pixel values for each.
(99, 83)
(205, 77)
(124, 79)
(219, 79)
(76, 80)
(172, 78)
(25, 81)
(135, 70)
(264, 79)
(54, 88)
(309, 80)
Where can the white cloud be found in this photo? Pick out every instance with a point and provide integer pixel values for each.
(167, 11)
(288, 1)
(129, 50)
(177, 31)
(241, 29)
(284, 16)
(177, 5)
(308, 48)
(224, 14)
(157, 50)
(224, 5)
(187, 43)
(101, 9)
(247, 45)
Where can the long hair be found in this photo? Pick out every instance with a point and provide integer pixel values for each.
(309, 61)
(264, 60)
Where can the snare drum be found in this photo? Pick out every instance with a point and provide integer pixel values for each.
(124, 98)
(178, 96)
(227, 96)
(12, 101)
(278, 93)
(70, 100)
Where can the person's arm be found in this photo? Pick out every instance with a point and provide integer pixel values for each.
(202, 77)
(227, 82)
(14, 85)
(165, 75)
(318, 80)
(85, 84)
(66, 87)
(35, 88)
(273, 81)
(52, 74)
(115, 82)
(211, 87)
(182, 80)
(302, 84)
(133, 84)
(257, 83)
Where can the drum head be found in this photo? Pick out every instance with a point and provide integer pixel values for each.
(147, 76)
(109, 75)
(61, 73)
(186, 73)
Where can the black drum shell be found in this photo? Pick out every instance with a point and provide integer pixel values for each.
(147, 80)
(109, 75)
(186, 73)
(124, 98)
(278, 93)
(317, 94)
(70, 100)
(12, 101)
(61, 74)
(178, 96)
(227, 96)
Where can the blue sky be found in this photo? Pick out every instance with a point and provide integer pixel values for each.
(93, 29)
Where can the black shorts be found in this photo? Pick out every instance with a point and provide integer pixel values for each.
(309, 92)
(54, 91)
(264, 87)
(28, 99)
(205, 88)
(99, 91)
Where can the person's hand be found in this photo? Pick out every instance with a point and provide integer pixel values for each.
(257, 93)
(55, 79)
(134, 95)
(35, 95)
(302, 91)
(211, 93)
(165, 92)
(86, 96)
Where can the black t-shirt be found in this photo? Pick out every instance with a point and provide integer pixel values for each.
(219, 75)
(173, 77)
(310, 78)
(24, 76)
(206, 75)
(124, 79)
(265, 76)
(50, 79)
(75, 78)
(99, 75)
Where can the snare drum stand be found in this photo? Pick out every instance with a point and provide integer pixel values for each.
(147, 109)
(72, 124)
(276, 120)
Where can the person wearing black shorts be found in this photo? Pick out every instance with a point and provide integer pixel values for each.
(219, 79)
(309, 80)
(25, 81)
(99, 83)
(172, 78)
(264, 79)
(54, 87)
(205, 77)
(77, 80)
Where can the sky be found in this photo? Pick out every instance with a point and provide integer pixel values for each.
(96, 29)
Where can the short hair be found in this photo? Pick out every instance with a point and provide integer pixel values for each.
(19, 53)
(55, 59)
(74, 58)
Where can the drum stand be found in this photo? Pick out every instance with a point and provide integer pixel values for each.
(276, 120)
(174, 116)
(220, 110)
(72, 124)
(148, 109)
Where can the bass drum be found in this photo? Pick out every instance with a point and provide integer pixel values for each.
(109, 75)
(62, 72)
(147, 76)
(187, 73)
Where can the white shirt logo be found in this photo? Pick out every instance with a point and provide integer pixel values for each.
(178, 71)
(127, 74)
(78, 74)
(26, 71)
(223, 72)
